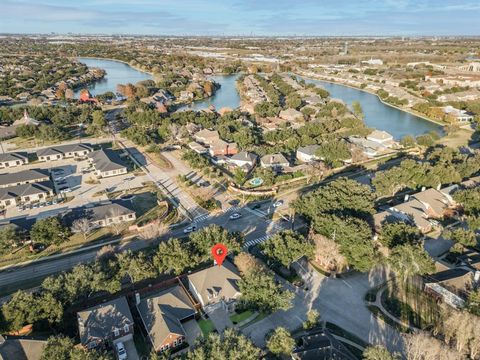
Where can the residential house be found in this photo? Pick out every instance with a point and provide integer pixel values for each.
(370, 148)
(222, 148)
(244, 160)
(206, 136)
(162, 315)
(307, 153)
(107, 163)
(462, 116)
(381, 137)
(320, 344)
(216, 287)
(26, 120)
(274, 161)
(419, 209)
(25, 193)
(13, 159)
(23, 177)
(198, 148)
(107, 323)
(291, 115)
(451, 285)
(20, 348)
(108, 214)
(64, 151)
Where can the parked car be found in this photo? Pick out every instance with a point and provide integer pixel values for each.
(278, 203)
(121, 352)
(205, 184)
(235, 216)
(66, 190)
(256, 206)
(189, 229)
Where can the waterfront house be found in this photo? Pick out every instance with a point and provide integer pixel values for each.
(460, 116)
(381, 137)
(163, 315)
(107, 323)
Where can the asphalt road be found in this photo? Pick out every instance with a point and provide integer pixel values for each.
(253, 224)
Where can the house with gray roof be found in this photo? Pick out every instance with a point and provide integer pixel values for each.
(108, 214)
(25, 193)
(216, 287)
(244, 160)
(307, 153)
(162, 315)
(21, 349)
(23, 177)
(13, 159)
(64, 151)
(107, 323)
(274, 161)
(107, 163)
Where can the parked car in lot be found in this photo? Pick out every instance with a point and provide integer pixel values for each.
(189, 229)
(235, 216)
(121, 352)
(205, 184)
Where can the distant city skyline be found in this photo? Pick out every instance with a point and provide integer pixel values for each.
(243, 17)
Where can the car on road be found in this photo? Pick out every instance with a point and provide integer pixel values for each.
(121, 352)
(235, 216)
(189, 229)
(205, 184)
(278, 203)
(234, 202)
(256, 206)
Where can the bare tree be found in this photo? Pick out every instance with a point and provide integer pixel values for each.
(247, 263)
(83, 226)
(422, 346)
(106, 252)
(327, 253)
(152, 231)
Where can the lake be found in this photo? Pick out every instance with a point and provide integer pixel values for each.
(117, 73)
(378, 115)
(226, 96)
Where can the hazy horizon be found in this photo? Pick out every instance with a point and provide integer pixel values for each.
(242, 18)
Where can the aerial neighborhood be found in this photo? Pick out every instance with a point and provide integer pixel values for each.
(237, 197)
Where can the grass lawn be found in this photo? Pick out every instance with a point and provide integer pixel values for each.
(260, 316)
(206, 326)
(237, 318)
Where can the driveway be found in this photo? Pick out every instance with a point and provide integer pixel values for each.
(220, 319)
(340, 301)
(192, 331)
(132, 353)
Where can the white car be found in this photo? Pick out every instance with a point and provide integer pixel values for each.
(189, 229)
(235, 216)
(278, 203)
(121, 352)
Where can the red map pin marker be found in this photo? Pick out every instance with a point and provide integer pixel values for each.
(219, 253)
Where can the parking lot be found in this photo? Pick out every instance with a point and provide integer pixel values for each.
(75, 185)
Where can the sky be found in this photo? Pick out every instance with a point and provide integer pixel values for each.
(242, 17)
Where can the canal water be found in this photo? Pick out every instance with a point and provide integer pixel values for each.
(378, 115)
(117, 73)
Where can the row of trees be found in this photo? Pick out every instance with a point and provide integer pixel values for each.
(441, 165)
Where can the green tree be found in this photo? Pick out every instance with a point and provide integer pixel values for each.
(408, 141)
(136, 266)
(409, 260)
(357, 110)
(461, 236)
(63, 348)
(287, 247)
(379, 352)
(399, 233)
(260, 291)
(10, 237)
(173, 256)
(473, 303)
(49, 231)
(231, 345)
(203, 240)
(280, 342)
(313, 319)
(20, 310)
(333, 152)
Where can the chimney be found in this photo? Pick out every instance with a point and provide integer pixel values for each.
(424, 188)
(137, 298)
(439, 186)
(406, 198)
